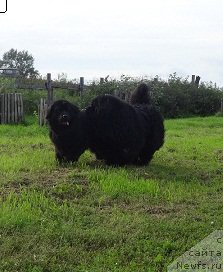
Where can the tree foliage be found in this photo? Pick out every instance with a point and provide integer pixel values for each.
(21, 60)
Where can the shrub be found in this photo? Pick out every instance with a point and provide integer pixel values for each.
(176, 97)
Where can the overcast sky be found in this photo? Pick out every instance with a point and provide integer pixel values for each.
(98, 38)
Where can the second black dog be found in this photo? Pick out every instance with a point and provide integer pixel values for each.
(122, 133)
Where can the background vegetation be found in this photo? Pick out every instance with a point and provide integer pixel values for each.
(176, 97)
(23, 61)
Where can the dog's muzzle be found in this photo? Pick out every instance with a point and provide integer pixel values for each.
(64, 120)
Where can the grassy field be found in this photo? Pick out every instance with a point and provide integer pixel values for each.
(89, 217)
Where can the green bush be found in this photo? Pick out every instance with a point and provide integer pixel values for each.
(179, 98)
(176, 97)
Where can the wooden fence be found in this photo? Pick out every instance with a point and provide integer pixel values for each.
(45, 103)
(39, 84)
(11, 108)
(42, 111)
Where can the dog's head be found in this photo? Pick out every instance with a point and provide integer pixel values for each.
(62, 114)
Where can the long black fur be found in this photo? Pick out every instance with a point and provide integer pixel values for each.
(66, 132)
(122, 133)
(117, 132)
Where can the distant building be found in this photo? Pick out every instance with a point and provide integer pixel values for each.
(10, 72)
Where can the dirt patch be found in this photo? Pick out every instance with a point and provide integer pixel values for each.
(37, 181)
(162, 211)
(159, 211)
(61, 184)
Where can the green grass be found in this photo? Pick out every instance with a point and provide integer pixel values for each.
(91, 217)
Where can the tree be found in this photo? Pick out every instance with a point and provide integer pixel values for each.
(21, 60)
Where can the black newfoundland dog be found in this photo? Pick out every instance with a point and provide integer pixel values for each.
(117, 132)
(66, 131)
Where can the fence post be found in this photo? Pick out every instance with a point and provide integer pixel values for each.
(81, 86)
(42, 109)
(155, 79)
(222, 105)
(45, 104)
(49, 90)
(193, 79)
(197, 80)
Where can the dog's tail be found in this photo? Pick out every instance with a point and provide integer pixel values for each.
(141, 95)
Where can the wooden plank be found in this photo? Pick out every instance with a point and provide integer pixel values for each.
(42, 107)
(16, 109)
(12, 98)
(2, 109)
(39, 115)
(5, 107)
(49, 90)
(45, 112)
(8, 109)
(19, 108)
(11, 108)
(40, 112)
(22, 108)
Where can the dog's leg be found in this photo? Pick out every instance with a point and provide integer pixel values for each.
(144, 157)
(59, 157)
